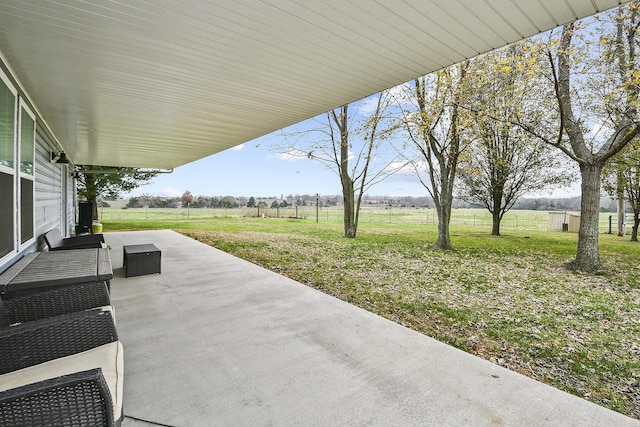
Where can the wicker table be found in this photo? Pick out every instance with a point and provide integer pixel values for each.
(141, 259)
(42, 270)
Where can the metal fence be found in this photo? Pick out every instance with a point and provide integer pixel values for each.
(480, 218)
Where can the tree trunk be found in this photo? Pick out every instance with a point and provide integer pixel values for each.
(94, 207)
(495, 214)
(342, 122)
(588, 257)
(620, 197)
(495, 228)
(91, 195)
(636, 224)
(350, 225)
(444, 218)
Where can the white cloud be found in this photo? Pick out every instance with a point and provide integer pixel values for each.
(170, 192)
(406, 168)
(599, 130)
(291, 155)
(147, 190)
(237, 147)
(368, 105)
(135, 192)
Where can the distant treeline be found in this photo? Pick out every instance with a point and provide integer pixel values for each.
(176, 202)
(537, 203)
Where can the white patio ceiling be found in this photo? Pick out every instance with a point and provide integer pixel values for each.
(160, 83)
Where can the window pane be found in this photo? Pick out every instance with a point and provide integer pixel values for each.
(26, 209)
(7, 115)
(26, 143)
(6, 214)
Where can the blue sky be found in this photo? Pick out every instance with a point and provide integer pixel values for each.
(252, 169)
(255, 169)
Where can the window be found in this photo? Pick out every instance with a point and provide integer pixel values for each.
(8, 97)
(17, 171)
(26, 181)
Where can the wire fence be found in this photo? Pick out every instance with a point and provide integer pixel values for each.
(480, 218)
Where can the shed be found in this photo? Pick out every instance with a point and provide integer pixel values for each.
(557, 219)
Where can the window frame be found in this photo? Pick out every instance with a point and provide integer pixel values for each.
(24, 108)
(13, 172)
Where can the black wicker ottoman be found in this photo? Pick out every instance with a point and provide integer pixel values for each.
(139, 260)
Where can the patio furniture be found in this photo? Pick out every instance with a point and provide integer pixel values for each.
(53, 303)
(45, 270)
(81, 398)
(55, 241)
(85, 217)
(43, 340)
(141, 259)
(43, 375)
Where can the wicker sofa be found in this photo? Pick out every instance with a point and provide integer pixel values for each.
(81, 399)
(62, 370)
(54, 302)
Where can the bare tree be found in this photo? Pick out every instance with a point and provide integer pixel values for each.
(437, 129)
(350, 141)
(596, 86)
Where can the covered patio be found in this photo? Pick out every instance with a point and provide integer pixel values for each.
(215, 340)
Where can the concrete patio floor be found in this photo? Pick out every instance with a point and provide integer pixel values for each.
(217, 341)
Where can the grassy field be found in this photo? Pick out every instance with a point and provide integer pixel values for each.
(477, 218)
(508, 299)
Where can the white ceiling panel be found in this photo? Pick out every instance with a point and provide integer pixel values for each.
(162, 83)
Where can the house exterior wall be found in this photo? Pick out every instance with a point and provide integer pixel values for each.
(51, 195)
(53, 186)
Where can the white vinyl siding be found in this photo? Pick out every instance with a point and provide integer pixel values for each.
(51, 193)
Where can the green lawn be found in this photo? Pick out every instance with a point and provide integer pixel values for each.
(508, 299)
(477, 218)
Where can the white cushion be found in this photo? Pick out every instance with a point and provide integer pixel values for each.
(109, 357)
(111, 309)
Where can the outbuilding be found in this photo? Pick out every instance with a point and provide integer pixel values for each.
(564, 221)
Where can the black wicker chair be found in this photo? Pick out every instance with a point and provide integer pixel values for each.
(79, 399)
(34, 357)
(47, 339)
(53, 303)
(55, 241)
